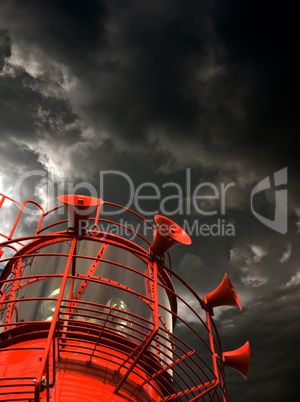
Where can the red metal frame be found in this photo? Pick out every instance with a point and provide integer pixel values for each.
(152, 363)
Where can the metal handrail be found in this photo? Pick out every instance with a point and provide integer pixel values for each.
(193, 375)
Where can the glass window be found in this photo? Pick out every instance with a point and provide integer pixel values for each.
(39, 265)
(110, 295)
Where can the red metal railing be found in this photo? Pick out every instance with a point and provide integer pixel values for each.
(187, 364)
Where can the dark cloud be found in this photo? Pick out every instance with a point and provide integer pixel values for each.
(4, 47)
(151, 89)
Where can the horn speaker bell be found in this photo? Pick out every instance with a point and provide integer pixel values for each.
(80, 208)
(223, 295)
(238, 359)
(167, 235)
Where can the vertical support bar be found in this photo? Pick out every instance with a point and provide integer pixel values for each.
(212, 346)
(47, 378)
(40, 223)
(53, 360)
(97, 217)
(154, 294)
(53, 323)
(12, 292)
(151, 337)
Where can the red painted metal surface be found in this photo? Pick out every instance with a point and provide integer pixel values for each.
(93, 315)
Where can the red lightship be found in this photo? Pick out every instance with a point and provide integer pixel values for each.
(89, 315)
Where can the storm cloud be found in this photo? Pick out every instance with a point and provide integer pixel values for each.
(155, 90)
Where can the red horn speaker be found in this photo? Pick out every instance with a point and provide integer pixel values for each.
(223, 295)
(80, 208)
(238, 359)
(167, 235)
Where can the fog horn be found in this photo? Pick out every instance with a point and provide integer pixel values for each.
(80, 208)
(238, 359)
(223, 295)
(167, 235)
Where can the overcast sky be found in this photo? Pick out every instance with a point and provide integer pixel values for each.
(163, 91)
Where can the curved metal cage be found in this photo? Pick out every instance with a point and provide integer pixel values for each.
(101, 299)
